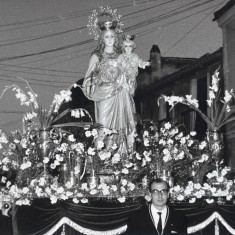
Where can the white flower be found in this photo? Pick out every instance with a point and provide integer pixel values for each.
(84, 186)
(30, 116)
(167, 125)
(143, 162)
(5, 168)
(94, 132)
(138, 156)
(209, 102)
(75, 200)
(211, 94)
(180, 155)
(5, 160)
(172, 100)
(193, 102)
(23, 143)
(52, 166)
(146, 142)
(63, 96)
(84, 200)
(125, 171)
(199, 194)
(128, 164)
(161, 141)
(91, 151)
(114, 188)
(190, 142)
(148, 159)
(224, 171)
(146, 134)
(104, 155)
(209, 201)
(203, 158)
(193, 133)
(53, 199)
(42, 181)
(183, 140)
(170, 141)
(45, 160)
(3, 139)
(166, 152)
(25, 190)
(71, 138)
(88, 133)
(25, 165)
(114, 146)
(3, 179)
(180, 197)
(116, 158)
(124, 182)
(147, 198)
(146, 154)
(227, 97)
(213, 190)
(166, 158)
(202, 145)
(176, 188)
(192, 200)
(76, 113)
(100, 144)
(131, 186)
(197, 186)
(122, 199)
(93, 191)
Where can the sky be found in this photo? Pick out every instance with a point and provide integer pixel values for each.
(47, 41)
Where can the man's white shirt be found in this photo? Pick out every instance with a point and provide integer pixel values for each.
(155, 215)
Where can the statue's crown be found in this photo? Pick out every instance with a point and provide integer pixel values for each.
(102, 19)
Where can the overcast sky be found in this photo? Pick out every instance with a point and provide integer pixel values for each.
(47, 42)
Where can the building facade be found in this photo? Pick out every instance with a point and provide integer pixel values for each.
(226, 21)
(176, 76)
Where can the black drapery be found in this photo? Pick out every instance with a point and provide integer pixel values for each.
(101, 215)
(41, 216)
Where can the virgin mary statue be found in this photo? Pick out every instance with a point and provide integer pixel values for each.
(114, 108)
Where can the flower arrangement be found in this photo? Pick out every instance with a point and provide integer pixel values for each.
(207, 191)
(58, 165)
(220, 110)
(164, 148)
(30, 180)
(41, 119)
(202, 160)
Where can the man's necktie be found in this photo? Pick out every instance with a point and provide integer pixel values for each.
(159, 225)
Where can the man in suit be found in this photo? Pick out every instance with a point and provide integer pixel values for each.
(157, 218)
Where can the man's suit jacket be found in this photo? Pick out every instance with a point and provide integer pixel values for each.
(141, 223)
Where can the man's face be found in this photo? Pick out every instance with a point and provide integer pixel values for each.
(159, 195)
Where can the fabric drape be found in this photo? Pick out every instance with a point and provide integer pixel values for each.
(102, 215)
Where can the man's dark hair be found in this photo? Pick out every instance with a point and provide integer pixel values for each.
(158, 181)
